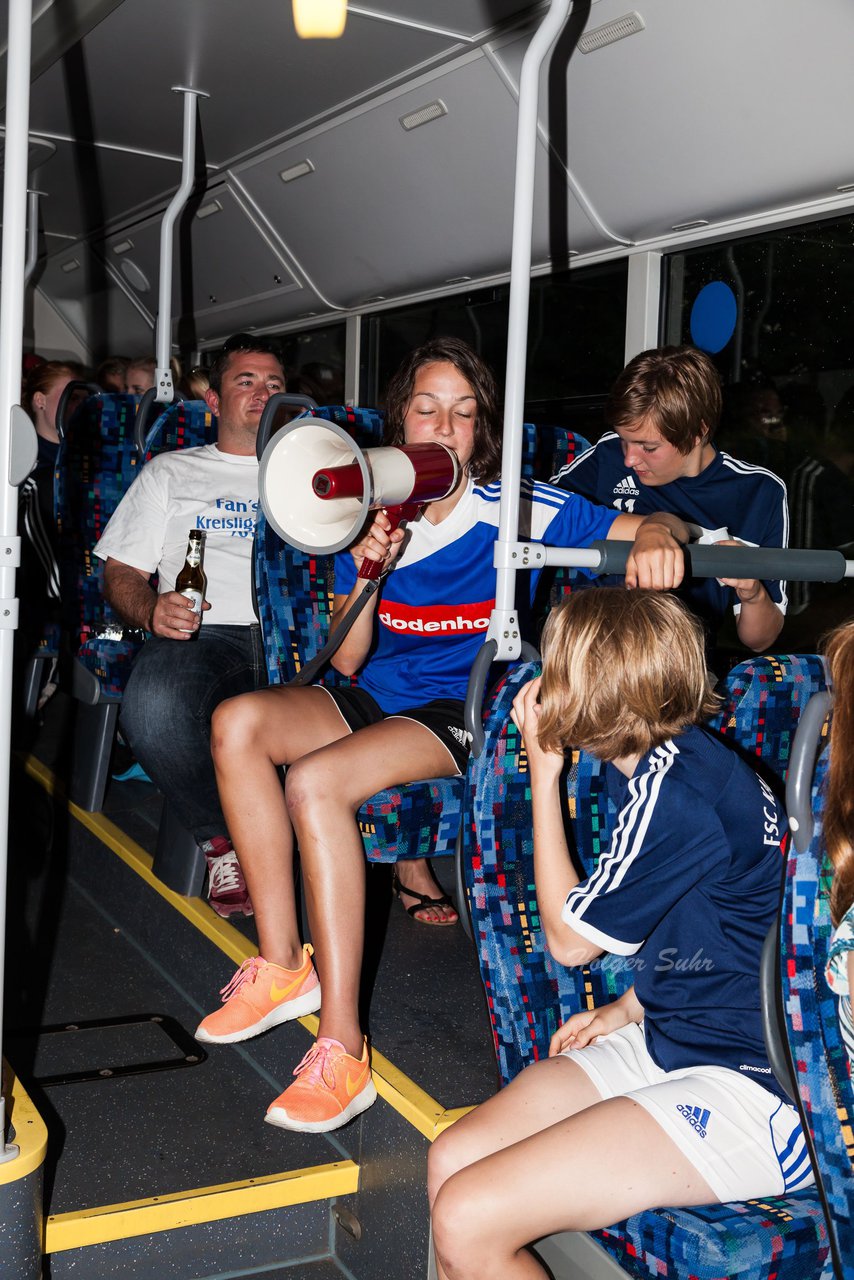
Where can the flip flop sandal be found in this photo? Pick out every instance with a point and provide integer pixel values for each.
(423, 903)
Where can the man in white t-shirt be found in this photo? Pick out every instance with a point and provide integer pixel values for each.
(175, 686)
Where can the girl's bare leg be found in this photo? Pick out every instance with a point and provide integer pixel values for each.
(251, 736)
(595, 1167)
(323, 793)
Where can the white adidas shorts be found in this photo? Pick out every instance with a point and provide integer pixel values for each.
(744, 1140)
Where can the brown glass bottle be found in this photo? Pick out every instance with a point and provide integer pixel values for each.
(191, 581)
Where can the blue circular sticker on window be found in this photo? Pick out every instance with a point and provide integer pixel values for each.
(713, 317)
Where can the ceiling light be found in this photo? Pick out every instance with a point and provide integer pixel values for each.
(320, 19)
(135, 276)
(846, 186)
(209, 209)
(123, 246)
(610, 32)
(295, 171)
(689, 226)
(424, 115)
(71, 265)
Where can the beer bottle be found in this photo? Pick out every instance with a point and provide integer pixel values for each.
(191, 581)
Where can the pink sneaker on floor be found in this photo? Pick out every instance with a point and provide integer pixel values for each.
(260, 996)
(227, 892)
(331, 1087)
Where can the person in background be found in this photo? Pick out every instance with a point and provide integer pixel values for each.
(194, 384)
(38, 579)
(664, 410)
(112, 374)
(839, 827)
(175, 686)
(139, 376)
(412, 648)
(665, 1095)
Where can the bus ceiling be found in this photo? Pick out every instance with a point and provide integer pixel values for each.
(334, 176)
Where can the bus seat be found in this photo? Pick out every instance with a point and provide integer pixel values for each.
(822, 1070)
(96, 463)
(184, 424)
(294, 594)
(528, 994)
(762, 701)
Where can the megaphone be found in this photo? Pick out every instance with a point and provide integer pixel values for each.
(316, 486)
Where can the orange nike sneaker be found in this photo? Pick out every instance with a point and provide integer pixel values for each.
(331, 1087)
(260, 996)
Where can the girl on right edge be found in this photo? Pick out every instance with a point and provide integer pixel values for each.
(839, 826)
(665, 1096)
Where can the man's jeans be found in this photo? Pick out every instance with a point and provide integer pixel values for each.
(166, 714)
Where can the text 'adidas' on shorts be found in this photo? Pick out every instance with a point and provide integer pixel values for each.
(443, 717)
(743, 1139)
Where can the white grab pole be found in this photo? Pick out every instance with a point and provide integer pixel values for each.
(164, 391)
(11, 346)
(503, 625)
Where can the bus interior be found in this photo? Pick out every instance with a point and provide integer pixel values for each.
(352, 198)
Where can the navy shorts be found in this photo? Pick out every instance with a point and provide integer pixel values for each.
(443, 717)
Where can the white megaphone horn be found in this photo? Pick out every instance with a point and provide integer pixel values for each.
(316, 485)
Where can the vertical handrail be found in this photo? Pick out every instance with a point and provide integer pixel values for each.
(163, 388)
(11, 346)
(503, 624)
(32, 235)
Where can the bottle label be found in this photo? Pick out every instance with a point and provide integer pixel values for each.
(196, 597)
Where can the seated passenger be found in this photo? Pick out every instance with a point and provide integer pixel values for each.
(664, 1096)
(174, 686)
(38, 580)
(112, 374)
(664, 409)
(839, 827)
(139, 375)
(403, 723)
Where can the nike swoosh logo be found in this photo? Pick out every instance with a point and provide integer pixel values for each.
(277, 994)
(353, 1086)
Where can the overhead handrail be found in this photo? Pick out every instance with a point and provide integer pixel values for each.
(163, 386)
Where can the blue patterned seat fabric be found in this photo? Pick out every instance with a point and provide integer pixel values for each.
(185, 424)
(821, 1062)
(294, 592)
(97, 461)
(545, 449)
(529, 995)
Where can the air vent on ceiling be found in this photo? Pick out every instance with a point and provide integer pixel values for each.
(610, 32)
(209, 209)
(71, 265)
(846, 187)
(123, 246)
(424, 115)
(691, 225)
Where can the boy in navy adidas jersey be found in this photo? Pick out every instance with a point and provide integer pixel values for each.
(664, 410)
(665, 1096)
(412, 647)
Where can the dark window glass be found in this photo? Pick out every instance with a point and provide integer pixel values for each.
(314, 362)
(575, 345)
(788, 373)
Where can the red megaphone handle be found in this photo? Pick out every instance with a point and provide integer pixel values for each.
(372, 569)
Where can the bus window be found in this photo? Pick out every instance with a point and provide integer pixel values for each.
(575, 340)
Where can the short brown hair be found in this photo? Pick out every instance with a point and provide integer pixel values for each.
(485, 461)
(623, 671)
(245, 344)
(677, 388)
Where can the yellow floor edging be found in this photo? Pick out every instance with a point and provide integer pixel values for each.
(30, 1132)
(407, 1098)
(202, 1204)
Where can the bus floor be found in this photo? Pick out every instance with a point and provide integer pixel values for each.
(170, 1170)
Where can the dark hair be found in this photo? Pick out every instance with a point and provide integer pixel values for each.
(677, 388)
(113, 366)
(43, 376)
(245, 343)
(485, 462)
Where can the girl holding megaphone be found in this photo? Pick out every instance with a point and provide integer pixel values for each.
(412, 647)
